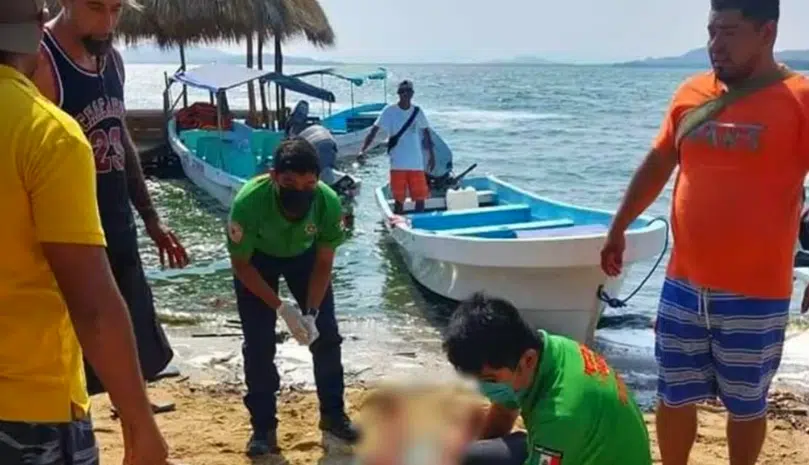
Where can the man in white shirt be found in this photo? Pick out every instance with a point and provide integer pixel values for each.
(403, 121)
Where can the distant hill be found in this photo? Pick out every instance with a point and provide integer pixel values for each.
(149, 54)
(520, 60)
(698, 58)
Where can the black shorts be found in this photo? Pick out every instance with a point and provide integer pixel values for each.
(154, 350)
(48, 444)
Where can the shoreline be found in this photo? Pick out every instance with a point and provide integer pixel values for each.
(374, 350)
(370, 351)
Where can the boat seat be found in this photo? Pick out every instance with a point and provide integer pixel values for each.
(483, 216)
(212, 150)
(581, 229)
(506, 230)
(226, 156)
(263, 142)
(485, 197)
(190, 137)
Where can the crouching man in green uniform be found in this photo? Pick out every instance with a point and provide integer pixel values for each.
(288, 224)
(576, 409)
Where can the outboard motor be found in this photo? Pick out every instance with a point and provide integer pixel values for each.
(343, 184)
(440, 177)
(298, 119)
(326, 147)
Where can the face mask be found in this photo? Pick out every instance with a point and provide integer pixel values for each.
(295, 202)
(97, 47)
(499, 393)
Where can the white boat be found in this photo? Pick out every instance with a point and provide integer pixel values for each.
(543, 256)
(220, 161)
(351, 125)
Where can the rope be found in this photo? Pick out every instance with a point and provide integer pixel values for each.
(615, 302)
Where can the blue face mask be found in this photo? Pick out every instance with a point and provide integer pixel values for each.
(500, 393)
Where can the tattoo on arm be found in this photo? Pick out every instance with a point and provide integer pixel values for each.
(136, 184)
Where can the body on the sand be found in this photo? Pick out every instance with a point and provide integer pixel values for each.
(58, 298)
(288, 224)
(735, 212)
(81, 72)
(406, 124)
(576, 408)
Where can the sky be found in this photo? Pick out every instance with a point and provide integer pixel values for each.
(566, 30)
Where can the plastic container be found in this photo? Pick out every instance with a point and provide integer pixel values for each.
(462, 199)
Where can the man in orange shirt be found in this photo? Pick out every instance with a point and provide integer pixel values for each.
(725, 302)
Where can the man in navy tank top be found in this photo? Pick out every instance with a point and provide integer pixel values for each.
(82, 73)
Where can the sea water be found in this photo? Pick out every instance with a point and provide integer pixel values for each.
(575, 134)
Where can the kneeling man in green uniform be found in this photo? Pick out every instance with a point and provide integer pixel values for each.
(288, 223)
(576, 409)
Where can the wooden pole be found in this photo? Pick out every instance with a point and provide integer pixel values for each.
(251, 89)
(281, 97)
(265, 114)
(182, 64)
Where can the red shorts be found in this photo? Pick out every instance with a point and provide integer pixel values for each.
(408, 181)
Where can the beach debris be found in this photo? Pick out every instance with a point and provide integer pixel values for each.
(358, 372)
(405, 354)
(783, 405)
(231, 323)
(157, 408)
(222, 358)
(216, 335)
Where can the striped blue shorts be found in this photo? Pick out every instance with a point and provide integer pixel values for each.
(48, 443)
(710, 343)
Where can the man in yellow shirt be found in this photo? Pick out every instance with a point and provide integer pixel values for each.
(56, 288)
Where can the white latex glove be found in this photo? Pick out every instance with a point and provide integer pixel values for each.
(302, 327)
(309, 320)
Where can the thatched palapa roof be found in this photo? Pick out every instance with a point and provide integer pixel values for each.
(183, 22)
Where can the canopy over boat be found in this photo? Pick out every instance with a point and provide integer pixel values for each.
(354, 75)
(220, 77)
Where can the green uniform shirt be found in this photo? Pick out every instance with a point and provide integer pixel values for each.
(256, 222)
(579, 412)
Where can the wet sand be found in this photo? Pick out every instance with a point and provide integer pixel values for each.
(210, 427)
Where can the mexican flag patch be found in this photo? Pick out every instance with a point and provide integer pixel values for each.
(548, 456)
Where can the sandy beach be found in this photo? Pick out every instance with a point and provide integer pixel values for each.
(210, 427)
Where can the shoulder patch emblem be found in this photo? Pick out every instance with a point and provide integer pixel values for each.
(235, 232)
(311, 229)
(547, 456)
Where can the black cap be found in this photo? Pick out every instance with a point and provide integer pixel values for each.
(405, 85)
(298, 156)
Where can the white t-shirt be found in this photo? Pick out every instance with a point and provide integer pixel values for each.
(407, 154)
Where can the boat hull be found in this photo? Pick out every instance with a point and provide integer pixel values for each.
(553, 281)
(560, 300)
(349, 136)
(350, 143)
(217, 183)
